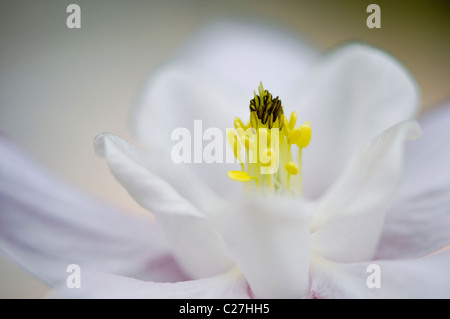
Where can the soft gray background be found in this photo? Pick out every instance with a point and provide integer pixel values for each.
(61, 87)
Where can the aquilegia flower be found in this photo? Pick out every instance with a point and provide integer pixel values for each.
(360, 198)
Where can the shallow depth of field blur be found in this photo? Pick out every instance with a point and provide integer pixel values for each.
(60, 87)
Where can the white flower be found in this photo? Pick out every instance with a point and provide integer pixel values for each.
(362, 204)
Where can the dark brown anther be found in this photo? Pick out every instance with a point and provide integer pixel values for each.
(265, 117)
(259, 111)
(252, 105)
(263, 110)
(270, 124)
(276, 110)
(269, 109)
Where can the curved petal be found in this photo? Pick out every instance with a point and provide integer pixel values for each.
(418, 278)
(195, 244)
(270, 242)
(419, 222)
(245, 53)
(354, 93)
(212, 79)
(181, 97)
(100, 285)
(348, 221)
(46, 225)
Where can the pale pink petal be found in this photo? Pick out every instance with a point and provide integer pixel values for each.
(419, 222)
(414, 278)
(348, 221)
(195, 244)
(353, 94)
(270, 242)
(46, 225)
(101, 285)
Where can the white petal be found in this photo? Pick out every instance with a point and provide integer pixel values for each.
(348, 222)
(46, 225)
(212, 79)
(197, 247)
(354, 93)
(100, 285)
(418, 278)
(245, 53)
(175, 97)
(426, 168)
(419, 222)
(270, 242)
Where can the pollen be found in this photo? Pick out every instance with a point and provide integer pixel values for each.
(271, 143)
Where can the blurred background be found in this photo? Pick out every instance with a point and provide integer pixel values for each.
(60, 87)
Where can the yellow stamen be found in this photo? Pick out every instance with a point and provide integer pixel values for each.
(238, 123)
(295, 136)
(235, 145)
(292, 168)
(306, 135)
(269, 157)
(240, 176)
(264, 136)
(293, 120)
(253, 120)
(286, 126)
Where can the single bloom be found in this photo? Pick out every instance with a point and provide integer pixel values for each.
(357, 184)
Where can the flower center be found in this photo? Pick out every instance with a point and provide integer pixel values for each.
(264, 147)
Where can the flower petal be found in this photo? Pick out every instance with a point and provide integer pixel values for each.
(46, 225)
(348, 221)
(198, 248)
(418, 278)
(355, 93)
(178, 96)
(270, 242)
(212, 80)
(245, 53)
(419, 222)
(100, 285)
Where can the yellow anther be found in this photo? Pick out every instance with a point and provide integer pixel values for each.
(305, 136)
(293, 120)
(238, 123)
(286, 126)
(292, 168)
(239, 176)
(295, 136)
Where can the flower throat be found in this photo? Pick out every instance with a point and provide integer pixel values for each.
(264, 147)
